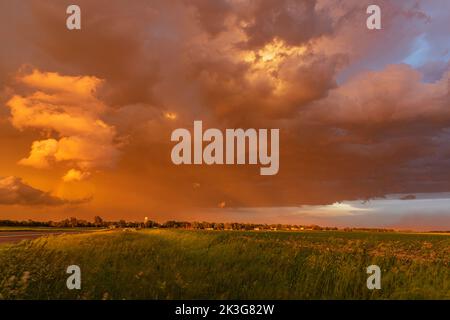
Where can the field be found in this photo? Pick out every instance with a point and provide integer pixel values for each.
(181, 264)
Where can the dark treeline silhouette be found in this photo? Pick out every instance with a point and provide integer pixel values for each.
(238, 226)
(77, 223)
(98, 222)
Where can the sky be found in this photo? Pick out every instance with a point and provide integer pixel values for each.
(86, 115)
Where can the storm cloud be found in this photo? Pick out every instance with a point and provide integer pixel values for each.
(361, 113)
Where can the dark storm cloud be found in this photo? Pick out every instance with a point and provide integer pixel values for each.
(263, 64)
(13, 191)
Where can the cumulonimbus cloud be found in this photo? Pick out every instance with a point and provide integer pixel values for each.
(302, 66)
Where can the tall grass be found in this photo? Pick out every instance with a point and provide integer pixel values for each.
(177, 264)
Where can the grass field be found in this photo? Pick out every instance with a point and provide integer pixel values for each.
(178, 264)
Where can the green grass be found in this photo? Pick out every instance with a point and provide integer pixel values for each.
(177, 264)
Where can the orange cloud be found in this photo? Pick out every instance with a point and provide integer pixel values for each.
(395, 94)
(80, 87)
(75, 175)
(67, 110)
(42, 152)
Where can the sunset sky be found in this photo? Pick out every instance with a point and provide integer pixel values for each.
(364, 115)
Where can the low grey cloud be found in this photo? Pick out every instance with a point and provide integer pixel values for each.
(13, 191)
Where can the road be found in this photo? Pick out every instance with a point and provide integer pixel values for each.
(17, 236)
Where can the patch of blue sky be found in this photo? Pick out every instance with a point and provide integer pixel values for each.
(421, 52)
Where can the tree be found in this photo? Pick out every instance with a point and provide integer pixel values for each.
(122, 223)
(73, 222)
(98, 221)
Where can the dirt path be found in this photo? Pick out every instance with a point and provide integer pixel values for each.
(17, 236)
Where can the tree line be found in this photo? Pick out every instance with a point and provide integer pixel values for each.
(99, 222)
